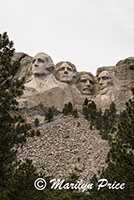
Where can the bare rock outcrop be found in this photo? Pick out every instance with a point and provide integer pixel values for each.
(115, 84)
(54, 85)
(67, 145)
(25, 62)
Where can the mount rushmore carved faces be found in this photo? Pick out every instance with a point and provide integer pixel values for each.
(86, 83)
(65, 72)
(105, 79)
(42, 64)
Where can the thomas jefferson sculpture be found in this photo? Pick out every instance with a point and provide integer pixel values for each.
(65, 72)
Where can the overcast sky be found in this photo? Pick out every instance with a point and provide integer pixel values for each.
(89, 33)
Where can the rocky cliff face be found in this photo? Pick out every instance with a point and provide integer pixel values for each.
(54, 85)
(65, 146)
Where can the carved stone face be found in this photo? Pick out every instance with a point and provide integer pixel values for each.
(42, 64)
(105, 81)
(86, 84)
(65, 73)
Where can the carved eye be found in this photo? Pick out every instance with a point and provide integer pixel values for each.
(69, 69)
(83, 80)
(105, 78)
(62, 69)
(40, 60)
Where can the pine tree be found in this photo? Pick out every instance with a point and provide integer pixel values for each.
(90, 111)
(36, 122)
(49, 115)
(75, 113)
(120, 159)
(13, 129)
(104, 122)
(68, 109)
(86, 102)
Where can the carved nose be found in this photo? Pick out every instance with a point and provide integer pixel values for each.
(65, 72)
(87, 83)
(100, 82)
(36, 63)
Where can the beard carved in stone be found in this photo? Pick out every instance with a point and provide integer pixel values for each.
(65, 72)
(105, 80)
(86, 83)
(42, 64)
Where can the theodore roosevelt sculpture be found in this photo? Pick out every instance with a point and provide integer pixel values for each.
(86, 83)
